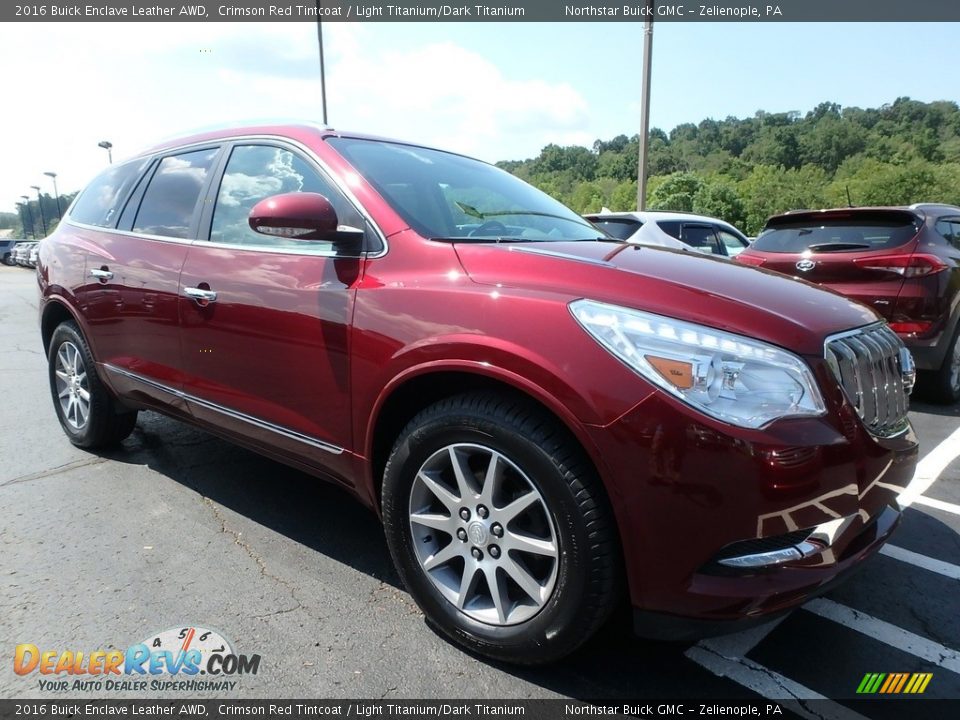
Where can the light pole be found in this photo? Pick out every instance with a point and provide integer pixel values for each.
(645, 107)
(56, 193)
(108, 146)
(43, 220)
(23, 216)
(26, 201)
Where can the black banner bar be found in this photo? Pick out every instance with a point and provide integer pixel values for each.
(204, 709)
(485, 11)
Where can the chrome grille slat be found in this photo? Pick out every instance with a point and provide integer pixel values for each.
(881, 380)
(867, 380)
(866, 363)
(898, 399)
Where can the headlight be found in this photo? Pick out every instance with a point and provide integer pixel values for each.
(732, 378)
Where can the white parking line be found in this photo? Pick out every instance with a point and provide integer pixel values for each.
(930, 467)
(770, 684)
(938, 504)
(922, 561)
(889, 634)
(726, 656)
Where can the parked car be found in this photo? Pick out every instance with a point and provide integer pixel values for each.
(32, 255)
(681, 231)
(21, 253)
(904, 262)
(6, 251)
(543, 416)
(25, 259)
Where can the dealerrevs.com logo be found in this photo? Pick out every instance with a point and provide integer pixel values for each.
(170, 660)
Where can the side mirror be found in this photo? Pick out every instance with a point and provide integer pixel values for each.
(302, 216)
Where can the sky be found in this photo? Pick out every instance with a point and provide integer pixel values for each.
(498, 91)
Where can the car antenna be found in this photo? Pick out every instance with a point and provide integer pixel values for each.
(849, 201)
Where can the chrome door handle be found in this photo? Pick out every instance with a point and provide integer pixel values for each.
(101, 274)
(200, 295)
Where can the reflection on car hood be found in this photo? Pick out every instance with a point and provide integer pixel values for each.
(684, 285)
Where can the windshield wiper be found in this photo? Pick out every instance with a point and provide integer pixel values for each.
(835, 246)
(487, 239)
(471, 211)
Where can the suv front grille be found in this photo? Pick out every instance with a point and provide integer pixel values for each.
(869, 363)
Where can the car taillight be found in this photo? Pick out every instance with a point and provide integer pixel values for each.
(910, 328)
(911, 266)
(749, 259)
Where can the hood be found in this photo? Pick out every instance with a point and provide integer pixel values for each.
(793, 314)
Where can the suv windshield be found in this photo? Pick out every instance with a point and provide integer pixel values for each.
(447, 196)
(835, 235)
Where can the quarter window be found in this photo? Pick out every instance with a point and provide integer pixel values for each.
(98, 203)
(255, 172)
(170, 200)
(950, 229)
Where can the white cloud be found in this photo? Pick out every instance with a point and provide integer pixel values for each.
(75, 84)
(445, 95)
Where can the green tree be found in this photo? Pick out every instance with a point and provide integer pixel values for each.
(719, 198)
(676, 193)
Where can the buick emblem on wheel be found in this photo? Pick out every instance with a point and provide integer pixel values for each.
(806, 265)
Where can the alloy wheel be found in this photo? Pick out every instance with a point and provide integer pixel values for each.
(73, 390)
(483, 534)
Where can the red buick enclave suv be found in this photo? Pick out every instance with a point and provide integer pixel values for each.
(548, 420)
(904, 262)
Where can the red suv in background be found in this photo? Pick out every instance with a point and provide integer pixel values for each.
(904, 262)
(545, 417)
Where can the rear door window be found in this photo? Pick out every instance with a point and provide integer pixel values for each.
(169, 205)
(700, 237)
(99, 203)
(836, 235)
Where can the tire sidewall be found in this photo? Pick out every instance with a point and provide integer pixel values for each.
(952, 394)
(556, 623)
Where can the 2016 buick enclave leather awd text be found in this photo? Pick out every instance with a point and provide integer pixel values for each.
(548, 420)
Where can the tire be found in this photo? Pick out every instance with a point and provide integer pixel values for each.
(557, 573)
(943, 386)
(88, 413)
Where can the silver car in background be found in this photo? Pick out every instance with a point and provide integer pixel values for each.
(681, 231)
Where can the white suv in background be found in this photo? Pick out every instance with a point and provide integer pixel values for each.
(682, 231)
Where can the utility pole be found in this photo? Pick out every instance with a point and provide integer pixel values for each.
(323, 75)
(645, 106)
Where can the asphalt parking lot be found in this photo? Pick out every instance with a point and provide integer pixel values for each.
(180, 528)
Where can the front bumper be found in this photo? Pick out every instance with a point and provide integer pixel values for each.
(799, 585)
(685, 489)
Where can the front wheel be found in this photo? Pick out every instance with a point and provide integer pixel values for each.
(500, 528)
(88, 413)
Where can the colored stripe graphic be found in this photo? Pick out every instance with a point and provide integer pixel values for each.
(894, 683)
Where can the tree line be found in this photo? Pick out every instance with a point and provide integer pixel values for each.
(744, 170)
